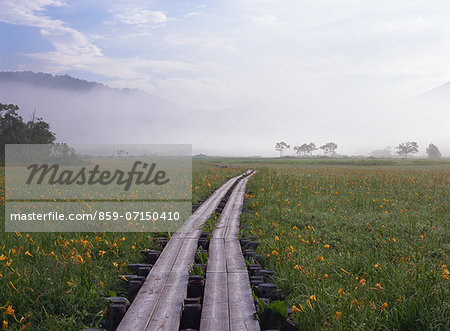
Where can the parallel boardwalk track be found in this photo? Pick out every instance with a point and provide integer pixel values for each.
(158, 304)
(228, 302)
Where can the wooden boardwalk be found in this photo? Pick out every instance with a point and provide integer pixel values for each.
(158, 304)
(228, 302)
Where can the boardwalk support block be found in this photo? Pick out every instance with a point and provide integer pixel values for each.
(133, 287)
(196, 286)
(190, 318)
(151, 255)
(266, 289)
(117, 310)
(136, 266)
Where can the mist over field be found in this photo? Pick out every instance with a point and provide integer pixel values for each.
(358, 125)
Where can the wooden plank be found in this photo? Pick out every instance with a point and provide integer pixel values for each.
(167, 313)
(225, 251)
(241, 306)
(234, 258)
(168, 256)
(215, 303)
(185, 258)
(216, 256)
(150, 292)
(149, 295)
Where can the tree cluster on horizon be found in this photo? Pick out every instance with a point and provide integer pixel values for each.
(13, 129)
(404, 149)
(411, 147)
(306, 150)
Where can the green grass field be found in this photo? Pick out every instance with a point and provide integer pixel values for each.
(52, 281)
(355, 243)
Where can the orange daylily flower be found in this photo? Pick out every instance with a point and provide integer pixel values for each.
(337, 316)
(383, 306)
(295, 309)
(362, 282)
(9, 311)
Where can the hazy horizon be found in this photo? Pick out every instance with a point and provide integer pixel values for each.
(240, 75)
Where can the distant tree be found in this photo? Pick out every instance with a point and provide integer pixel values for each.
(433, 152)
(409, 147)
(329, 148)
(13, 130)
(311, 147)
(305, 149)
(301, 150)
(281, 146)
(38, 131)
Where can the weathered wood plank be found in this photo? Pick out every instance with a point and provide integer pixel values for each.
(234, 258)
(237, 313)
(216, 256)
(241, 306)
(215, 303)
(167, 313)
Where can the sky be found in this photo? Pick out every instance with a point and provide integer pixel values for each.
(296, 71)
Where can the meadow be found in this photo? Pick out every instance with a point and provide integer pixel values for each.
(52, 281)
(356, 245)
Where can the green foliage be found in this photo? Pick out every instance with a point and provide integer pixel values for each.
(196, 270)
(345, 241)
(201, 257)
(271, 315)
(66, 280)
(13, 130)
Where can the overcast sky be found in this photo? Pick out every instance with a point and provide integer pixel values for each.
(303, 70)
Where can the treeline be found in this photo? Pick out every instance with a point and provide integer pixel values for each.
(306, 150)
(404, 149)
(14, 130)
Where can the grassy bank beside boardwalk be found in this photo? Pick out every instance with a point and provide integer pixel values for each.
(52, 281)
(356, 244)
(356, 247)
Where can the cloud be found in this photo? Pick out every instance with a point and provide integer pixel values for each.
(25, 12)
(194, 13)
(67, 41)
(138, 16)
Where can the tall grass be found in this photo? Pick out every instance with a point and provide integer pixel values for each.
(359, 249)
(60, 281)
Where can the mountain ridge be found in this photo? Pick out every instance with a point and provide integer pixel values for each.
(62, 82)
